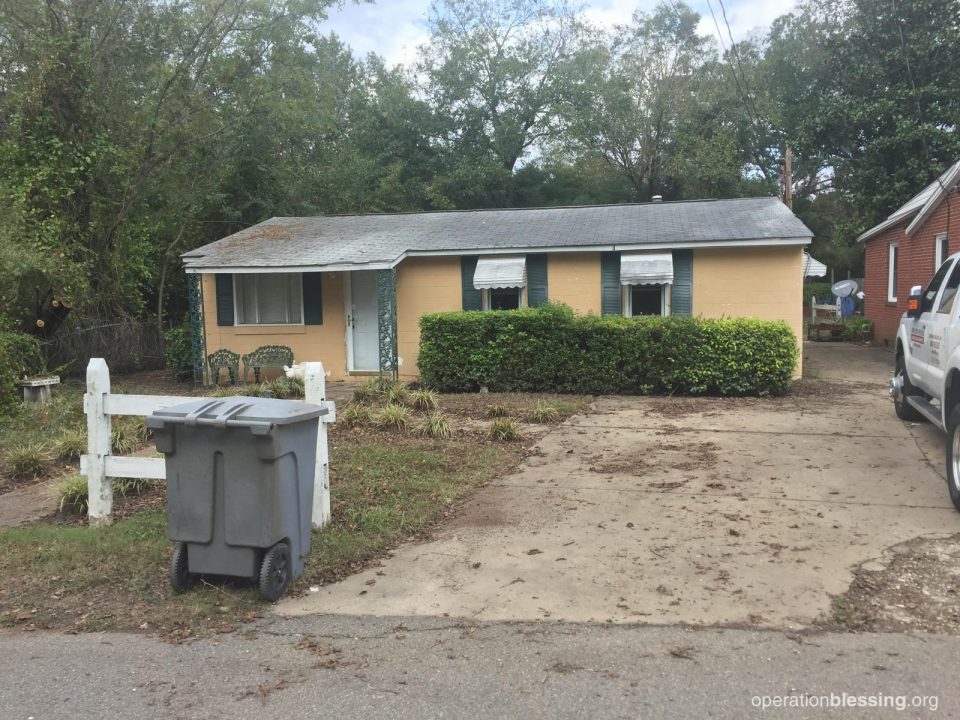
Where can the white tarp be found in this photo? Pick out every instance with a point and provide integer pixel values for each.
(812, 267)
(500, 272)
(646, 269)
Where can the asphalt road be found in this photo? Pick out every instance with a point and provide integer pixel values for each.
(349, 667)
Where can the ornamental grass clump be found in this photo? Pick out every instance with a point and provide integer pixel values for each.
(70, 493)
(436, 426)
(70, 445)
(398, 395)
(497, 410)
(28, 461)
(505, 430)
(356, 415)
(366, 391)
(545, 413)
(392, 417)
(424, 400)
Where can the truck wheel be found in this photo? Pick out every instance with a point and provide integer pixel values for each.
(275, 572)
(953, 456)
(905, 411)
(181, 579)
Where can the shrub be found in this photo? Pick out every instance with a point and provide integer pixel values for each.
(397, 394)
(424, 400)
(356, 415)
(545, 413)
(28, 461)
(536, 350)
(178, 351)
(858, 329)
(504, 430)
(70, 446)
(435, 425)
(394, 417)
(497, 410)
(820, 290)
(70, 493)
(19, 355)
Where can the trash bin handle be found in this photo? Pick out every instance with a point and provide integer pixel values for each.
(193, 418)
(222, 419)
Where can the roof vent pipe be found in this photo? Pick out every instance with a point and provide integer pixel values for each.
(657, 198)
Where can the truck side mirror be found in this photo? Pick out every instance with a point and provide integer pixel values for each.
(913, 303)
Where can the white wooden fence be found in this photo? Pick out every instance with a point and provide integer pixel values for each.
(99, 465)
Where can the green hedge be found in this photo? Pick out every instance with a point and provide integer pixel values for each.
(820, 290)
(19, 355)
(552, 350)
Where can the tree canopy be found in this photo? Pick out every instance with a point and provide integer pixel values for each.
(134, 130)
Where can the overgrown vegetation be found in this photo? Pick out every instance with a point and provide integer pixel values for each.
(28, 461)
(505, 430)
(550, 349)
(435, 425)
(393, 417)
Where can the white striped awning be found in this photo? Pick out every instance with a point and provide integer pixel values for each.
(500, 272)
(646, 269)
(813, 267)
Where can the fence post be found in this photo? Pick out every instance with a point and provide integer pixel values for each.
(315, 393)
(99, 487)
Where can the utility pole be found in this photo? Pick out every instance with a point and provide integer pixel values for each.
(786, 178)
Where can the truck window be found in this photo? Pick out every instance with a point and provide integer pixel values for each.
(933, 288)
(950, 292)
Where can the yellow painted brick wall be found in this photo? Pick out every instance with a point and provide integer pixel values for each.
(764, 283)
(574, 278)
(325, 343)
(424, 285)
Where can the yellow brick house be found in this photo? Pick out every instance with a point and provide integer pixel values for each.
(350, 290)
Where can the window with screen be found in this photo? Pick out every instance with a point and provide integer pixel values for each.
(269, 299)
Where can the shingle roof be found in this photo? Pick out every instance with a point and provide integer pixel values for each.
(383, 240)
(919, 206)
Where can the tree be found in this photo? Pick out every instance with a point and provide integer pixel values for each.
(496, 72)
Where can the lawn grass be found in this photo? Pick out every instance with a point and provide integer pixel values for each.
(385, 489)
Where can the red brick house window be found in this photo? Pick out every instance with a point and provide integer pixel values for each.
(893, 263)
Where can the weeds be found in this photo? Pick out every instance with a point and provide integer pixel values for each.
(424, 400)
(435, 426)
(505, 430)
(393, 417)
(28, 461)
(285, 388)
(125, 437)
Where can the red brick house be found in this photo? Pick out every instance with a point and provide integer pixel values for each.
(907, 248)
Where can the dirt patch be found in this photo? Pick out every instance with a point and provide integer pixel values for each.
(519, 406)
(915, 586)
(640, 463)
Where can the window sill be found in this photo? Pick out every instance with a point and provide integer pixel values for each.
(270, 329)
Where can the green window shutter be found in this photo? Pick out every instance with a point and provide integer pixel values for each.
(224, 299)
(471, 296)
(610, 298)
(682, 292)
(312, 299)
(536, 280)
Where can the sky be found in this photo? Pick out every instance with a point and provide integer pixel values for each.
(394, 29)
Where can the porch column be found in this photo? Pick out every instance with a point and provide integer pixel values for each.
(197, 331)
(387, 320)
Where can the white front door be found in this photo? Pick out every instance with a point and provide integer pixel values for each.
(362, 321)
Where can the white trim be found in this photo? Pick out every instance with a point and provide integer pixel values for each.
(485, 297)
(236, 306)
(892, 248)
(666, 299)
(939, 255)
(456, 252)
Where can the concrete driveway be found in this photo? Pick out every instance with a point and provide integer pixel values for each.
(665, 510)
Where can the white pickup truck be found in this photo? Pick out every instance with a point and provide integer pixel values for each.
(926, 381)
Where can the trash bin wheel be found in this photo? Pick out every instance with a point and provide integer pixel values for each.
(181, 579)
(275, 572)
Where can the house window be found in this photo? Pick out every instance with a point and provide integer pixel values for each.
(268, 298)
(646, 300)
(502, 282)
(893, 261)
(942, 249)
(501, 298)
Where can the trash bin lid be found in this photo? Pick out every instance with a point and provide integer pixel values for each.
(252, 412)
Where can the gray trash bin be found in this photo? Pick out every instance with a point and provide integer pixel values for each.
(240, 474)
